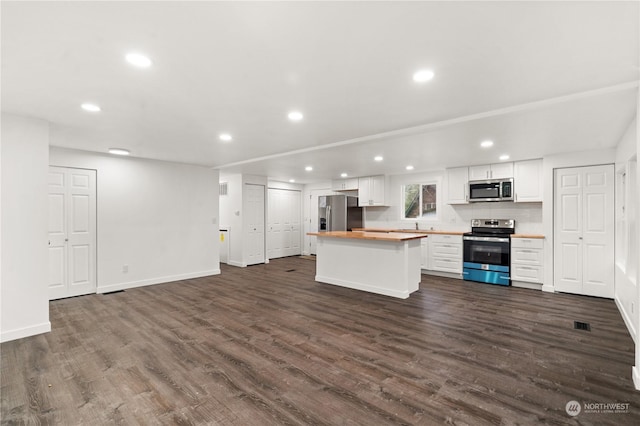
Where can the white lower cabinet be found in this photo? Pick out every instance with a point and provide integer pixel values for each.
(424, 253)
(526, 262)
(443, 253)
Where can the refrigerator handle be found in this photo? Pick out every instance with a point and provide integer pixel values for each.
(328, 218)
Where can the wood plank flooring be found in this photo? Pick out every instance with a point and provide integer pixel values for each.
(267, 345)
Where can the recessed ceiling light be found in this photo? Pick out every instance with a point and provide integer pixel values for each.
(90, 107)
(119, 151)
(295, 116)
(409, 167)
(308, 168)
(486, 144)
(292, 180)
(343, 175)
(504, 157)
(138, 60)
(423, 76)
(378, 158)
(225, 137)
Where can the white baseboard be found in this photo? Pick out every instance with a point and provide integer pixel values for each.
(363, 287)
(442, 274)
(524, 284)
(548, 288)
(636, 377)
(238, 264)
(160, 280)
(626, 319)
(21, 333)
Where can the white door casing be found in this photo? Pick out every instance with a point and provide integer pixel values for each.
(584, 231)
(72, 232)
(254, 215)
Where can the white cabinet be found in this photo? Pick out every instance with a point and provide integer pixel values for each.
(344, 184)
(458, 185)
(526, 261)
(445, 253)
(491, 171)
(371, 191)
(527, 181)
(424, 253)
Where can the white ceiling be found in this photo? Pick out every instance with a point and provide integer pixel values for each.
(538, 78)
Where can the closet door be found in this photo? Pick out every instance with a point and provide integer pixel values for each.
(584, 231)
(254, 220)
(284, 223)
(72, 232)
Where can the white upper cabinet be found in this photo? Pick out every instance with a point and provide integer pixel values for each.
(344, 184)
(458, 185)
(371, 191)
(491, 171)
(527, 181)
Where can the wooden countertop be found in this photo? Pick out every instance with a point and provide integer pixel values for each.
(540, 237)
(363, 235)
(411, 231)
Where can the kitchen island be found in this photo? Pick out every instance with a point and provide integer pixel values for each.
(377, 262)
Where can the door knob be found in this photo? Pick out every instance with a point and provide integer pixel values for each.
(66, 239)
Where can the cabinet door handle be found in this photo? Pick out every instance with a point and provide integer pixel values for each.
(505, 278)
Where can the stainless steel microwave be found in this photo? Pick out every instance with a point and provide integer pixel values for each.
(491, 190)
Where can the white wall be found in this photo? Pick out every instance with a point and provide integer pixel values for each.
(528, 216)
(24, 221)
(626, 290)
(158, 218)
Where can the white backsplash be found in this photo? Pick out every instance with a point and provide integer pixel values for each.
(528, 217)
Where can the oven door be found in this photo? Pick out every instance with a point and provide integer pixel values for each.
(486, 251)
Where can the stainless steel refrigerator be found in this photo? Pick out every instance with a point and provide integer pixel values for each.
(339, 213)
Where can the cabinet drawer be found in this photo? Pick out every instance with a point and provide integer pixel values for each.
(444, 238)
(531, 274)
(526, 256)
(447, 265)
(446, 250)
(535, 243)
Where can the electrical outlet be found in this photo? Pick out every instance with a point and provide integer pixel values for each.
(125, 269)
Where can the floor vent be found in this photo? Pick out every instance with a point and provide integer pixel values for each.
(581, 325)
(290, 270)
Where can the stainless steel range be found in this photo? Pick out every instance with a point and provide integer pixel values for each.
(487, 251)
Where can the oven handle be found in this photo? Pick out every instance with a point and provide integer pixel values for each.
(489, 239)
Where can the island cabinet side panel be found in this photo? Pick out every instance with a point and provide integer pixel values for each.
(383, 267)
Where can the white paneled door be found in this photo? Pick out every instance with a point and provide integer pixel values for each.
(284, 220)
(584, 231)
(254, 219)
(72, 232)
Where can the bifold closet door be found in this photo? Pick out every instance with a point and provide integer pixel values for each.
(584, 231)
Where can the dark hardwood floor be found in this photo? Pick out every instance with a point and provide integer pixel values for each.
(267, 345)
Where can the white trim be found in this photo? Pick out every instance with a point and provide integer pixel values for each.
(133, 284)
(236, 263)
(636, 377)
(548, 288)
(363, 287)
(625, 317)
(21, 333)
(443, 274)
